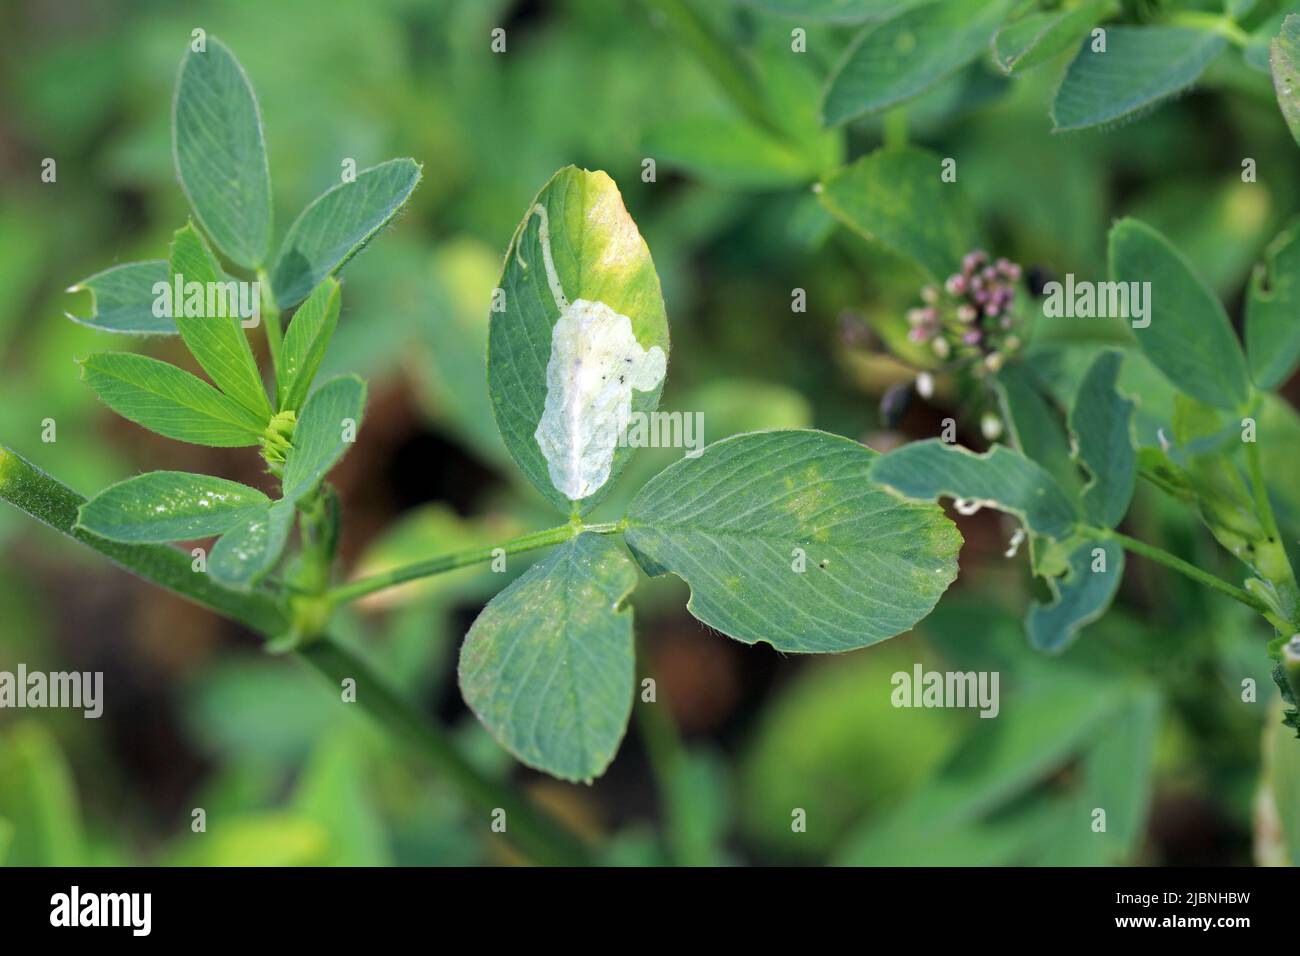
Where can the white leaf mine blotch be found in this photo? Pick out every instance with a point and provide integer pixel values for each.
(595, 363)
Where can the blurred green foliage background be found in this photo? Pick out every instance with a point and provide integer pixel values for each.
(197, 716)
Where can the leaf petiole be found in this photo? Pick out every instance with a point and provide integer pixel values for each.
(463, 559)
(1161, 556)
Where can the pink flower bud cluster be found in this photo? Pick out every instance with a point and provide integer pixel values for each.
(971, 319)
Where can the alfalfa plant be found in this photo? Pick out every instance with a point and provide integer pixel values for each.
(780, 534)
(1182, 405)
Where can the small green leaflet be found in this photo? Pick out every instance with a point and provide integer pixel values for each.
(1039, 36)
(122, 299)
(1284, 63)
(169, 506)
(897, 198)
(1189, 337)
(220, 153)
(1000, 478)
(783, 539)
(173, 506)
(1036, 426)
(1094, 571)
(246, 553)
(577, 244)
(1273, 311)
(892, 61)
(1102, 423)
(210, 325)
(1140, 67)
(169, 400)
(327, 427)
(337, 224)
(305, 342)
(324, 432)
(164, 506)
(548, 665)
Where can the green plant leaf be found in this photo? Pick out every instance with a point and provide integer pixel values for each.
(169, 400)
(1079, 597)
(1189, 338)
(1273, 311)
(614, 320)
(169, 506)
(1036, 425)
(52, 503)
(890, 62)
(998, 762)
(733, 152)
(1118, 771)
(39, 799)
(305, 342)
(737, 523)
(337, 224)
(1140, 67)
(249, 550)
(1000, 478)
(1102, 423)
(896, 197)
(216, 340)
(220, 153)
(122, 299)
(845, 11)
(1038, 37)
(1284, 64)
(547, 666)
(326, 429)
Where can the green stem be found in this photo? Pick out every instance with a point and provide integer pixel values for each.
(538, 836)
(1160, 556)
(1223, 25)
(463, 559)
(51, 502)
(274, 336)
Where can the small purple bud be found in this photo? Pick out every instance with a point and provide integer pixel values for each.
(956, 285)
(894, 404)
(972, 337)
